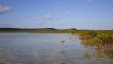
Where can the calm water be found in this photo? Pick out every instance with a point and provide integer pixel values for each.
(37, 48)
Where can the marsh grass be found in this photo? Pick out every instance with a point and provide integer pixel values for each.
(99, 39)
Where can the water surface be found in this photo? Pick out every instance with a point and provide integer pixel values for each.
(46, 48)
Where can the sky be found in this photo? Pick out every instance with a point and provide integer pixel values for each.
(59, 14)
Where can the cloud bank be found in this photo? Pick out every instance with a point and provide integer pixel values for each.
(4, 9)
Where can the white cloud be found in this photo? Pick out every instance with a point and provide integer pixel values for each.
(4, 9)
(47, 17)
(88, 1)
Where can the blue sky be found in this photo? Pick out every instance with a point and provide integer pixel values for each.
(61, 14)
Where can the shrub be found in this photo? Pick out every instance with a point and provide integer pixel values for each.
(104, 39)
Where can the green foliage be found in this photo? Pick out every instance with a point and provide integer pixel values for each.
(102, 38)
(87, 35)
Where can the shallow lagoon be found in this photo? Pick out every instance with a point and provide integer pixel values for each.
(49, 48)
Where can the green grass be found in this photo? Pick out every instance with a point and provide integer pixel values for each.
(103, 39)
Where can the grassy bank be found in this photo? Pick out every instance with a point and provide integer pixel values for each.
(100, 39)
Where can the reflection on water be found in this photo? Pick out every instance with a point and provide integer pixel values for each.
(96, 53)
(62, 47)
(62, 51)
(36, 48)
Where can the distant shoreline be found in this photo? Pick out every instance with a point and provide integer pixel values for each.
(44, 30)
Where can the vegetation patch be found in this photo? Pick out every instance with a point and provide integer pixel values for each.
(100, 39)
